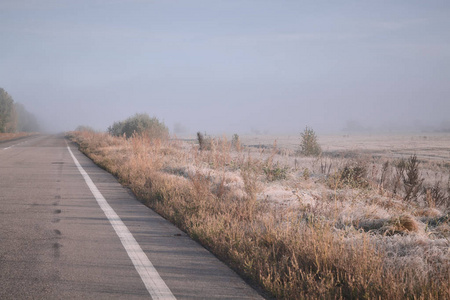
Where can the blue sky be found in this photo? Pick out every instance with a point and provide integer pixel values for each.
(229, 66)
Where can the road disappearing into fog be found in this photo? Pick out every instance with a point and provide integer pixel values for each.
(69, 230)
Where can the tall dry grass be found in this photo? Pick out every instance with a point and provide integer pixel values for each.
(13, 136)
(296, 237)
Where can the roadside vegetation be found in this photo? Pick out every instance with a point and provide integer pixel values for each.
(14, 118)
(13, 136)
(140, 124)
(300, 225)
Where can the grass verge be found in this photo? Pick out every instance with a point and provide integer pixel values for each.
(12, 136)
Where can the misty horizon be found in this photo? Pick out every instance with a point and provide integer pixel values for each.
(230, 66)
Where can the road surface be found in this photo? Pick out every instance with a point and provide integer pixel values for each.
(65, 234)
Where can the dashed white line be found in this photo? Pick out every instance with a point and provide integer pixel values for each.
(152, 281)
(18, 144)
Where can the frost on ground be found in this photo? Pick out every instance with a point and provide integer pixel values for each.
(366, 219)
(414, 235)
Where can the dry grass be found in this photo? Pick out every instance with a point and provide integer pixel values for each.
(308, 234)
(12, 136)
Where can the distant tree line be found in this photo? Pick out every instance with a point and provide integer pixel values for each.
(14, 117)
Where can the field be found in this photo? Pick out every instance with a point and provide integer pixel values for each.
(432, 146)
(366, 219)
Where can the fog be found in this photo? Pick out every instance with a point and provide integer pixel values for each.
(230, 66)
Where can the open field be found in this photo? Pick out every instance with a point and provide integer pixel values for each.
(434, 146)
(342, 225)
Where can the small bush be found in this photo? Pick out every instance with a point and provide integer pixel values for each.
(204, 142)
(412, 182)
(306, 174)
(275, 172)
(435, 195)
(385, 170)
(140, 124)
(355, 176)
(236, 142)
(85, 128)
(309, 145)
(116, 129)
(400, 167)
(325, 166)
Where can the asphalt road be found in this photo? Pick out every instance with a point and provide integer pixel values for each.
(57, 241)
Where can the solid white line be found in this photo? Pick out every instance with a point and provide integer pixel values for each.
(153, 282)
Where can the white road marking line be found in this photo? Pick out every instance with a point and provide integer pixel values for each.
(17, 144)
(153, 282)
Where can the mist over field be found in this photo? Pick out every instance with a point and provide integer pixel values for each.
(230, 66)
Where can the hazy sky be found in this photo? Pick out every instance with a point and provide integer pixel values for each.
(228, 66)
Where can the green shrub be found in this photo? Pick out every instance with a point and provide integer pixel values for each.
(309, 145)
(140, 124)
(275, 172)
